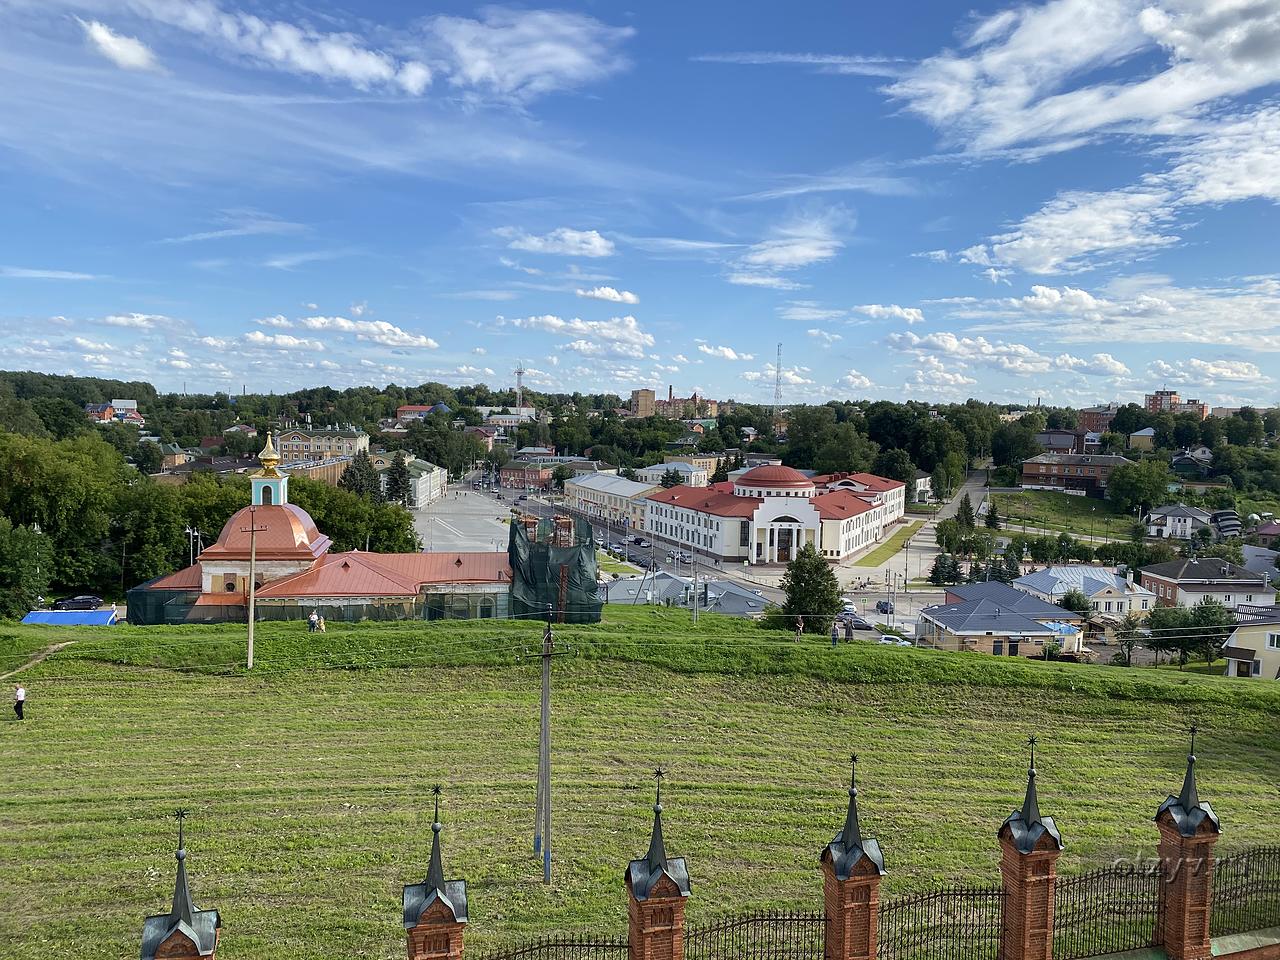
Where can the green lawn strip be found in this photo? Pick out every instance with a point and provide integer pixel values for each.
(608, 564)
(891, 546)
(1062, 510)
(310, 797)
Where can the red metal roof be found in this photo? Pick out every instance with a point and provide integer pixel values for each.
(771, 475)
(185, 579)
(840, 504)
(285, 532)
(357, 574)
(871, 481)
(707, 501)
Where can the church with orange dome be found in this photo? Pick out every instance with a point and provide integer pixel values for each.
(295, 572)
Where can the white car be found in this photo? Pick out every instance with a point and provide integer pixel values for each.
(888, 640)
(905, 643)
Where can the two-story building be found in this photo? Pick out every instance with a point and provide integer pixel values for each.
(1177, 521)
(427, 481)
(1185, 582)
(610, 498)
(690, 475)
(1253, 649)
(767, 514)
(1076, 473)
(1108, 591)
(526, 475)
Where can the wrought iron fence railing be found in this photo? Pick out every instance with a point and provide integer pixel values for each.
(769, 935)
(955, 923)
(1246, 891)
(567, 947)
(1105, 911)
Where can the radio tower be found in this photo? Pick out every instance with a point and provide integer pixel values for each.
(777, 392)
(519, 387)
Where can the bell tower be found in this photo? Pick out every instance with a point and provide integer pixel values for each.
(270, 486)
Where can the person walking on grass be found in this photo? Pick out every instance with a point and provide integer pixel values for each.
(313, 622)
(835, 633)
(19, 701)
(799, 628)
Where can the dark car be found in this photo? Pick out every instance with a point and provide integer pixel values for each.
(82, 601)
(884, 606)
(523, 496)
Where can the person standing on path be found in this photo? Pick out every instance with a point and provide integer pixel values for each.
(19, 701)
(835, 633)
(799, 628)
(313, 622)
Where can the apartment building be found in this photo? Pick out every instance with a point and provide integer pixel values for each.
(297, 444)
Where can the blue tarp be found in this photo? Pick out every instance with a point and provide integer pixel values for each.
(72, 618)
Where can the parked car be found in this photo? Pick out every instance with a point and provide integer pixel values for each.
(905, 643)
(671, 554)
(642, 542)
(83, 601)
(684, 558)
(858, 623)
(884, 606)
(889, 641)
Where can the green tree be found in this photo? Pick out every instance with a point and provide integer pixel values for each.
(360, 478)
(398, 479)
(561, 475)
(894, 465)
(1143, 484)
(671, 478)
(1212, 622)
(1076, 601)
(964, 513)
(1172, 632)
(847, 451)
(721, 473)
(25, 560)
(992, 519)
(812, 591)
(948, 533)
(940, 484)
(1127, 635)
(148, 458)
(945, 570)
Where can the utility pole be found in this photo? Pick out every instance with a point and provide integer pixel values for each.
(252, 530)
(542, 818)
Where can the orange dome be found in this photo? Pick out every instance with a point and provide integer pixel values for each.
(284, 532)
(773, 476)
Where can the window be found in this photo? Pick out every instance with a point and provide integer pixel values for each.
(997, 647)
(1144, 604)
(1227, 598)
(1273, 641)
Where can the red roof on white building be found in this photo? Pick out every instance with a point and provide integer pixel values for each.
(840, 504)
(706, 500)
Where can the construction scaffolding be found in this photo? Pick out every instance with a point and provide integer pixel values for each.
(553, 564)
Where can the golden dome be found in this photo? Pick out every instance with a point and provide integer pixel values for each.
(269, 459)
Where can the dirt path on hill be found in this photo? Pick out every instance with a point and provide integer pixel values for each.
(36, 659)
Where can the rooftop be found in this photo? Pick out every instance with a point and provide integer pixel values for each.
(707, 500)
(1208, 570)
(611, 484)
(1076, 459)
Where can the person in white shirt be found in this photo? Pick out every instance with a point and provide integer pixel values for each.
(19, 700)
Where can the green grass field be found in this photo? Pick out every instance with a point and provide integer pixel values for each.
(1063, 512)
(309, 780)
(891, 546)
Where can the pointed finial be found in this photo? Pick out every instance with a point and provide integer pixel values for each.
(181, 815)
(657, 855)
(851, 835)
(435, 821)
(183, 909)
(1031, 802)
(435, 870)
(1190, 796)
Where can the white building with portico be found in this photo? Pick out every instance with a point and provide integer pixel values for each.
(769, 513)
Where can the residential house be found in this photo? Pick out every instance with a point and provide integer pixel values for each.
(1098, 419)
(536, 453)
(1261, 561)
(642, 403)
(922, 488)
(521, 414)
(297, 444)
(1177, 521)
(998, 619)
(1144, 439)
(587, 468)
(1185, 582)
(1069, 441)
(690, 475)
(427, 482)
(1253, 649)
(1109, 592)
(248, 429)
(486, 435)
(1192, 462)
(1077, 473)
(611, 498)
(100, 412)
(707, 462)
(1268, 533)
(767, 514)
(420, 411)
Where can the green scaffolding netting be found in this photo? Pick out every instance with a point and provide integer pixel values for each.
(562, 578)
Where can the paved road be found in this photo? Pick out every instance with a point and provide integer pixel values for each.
(463, 520)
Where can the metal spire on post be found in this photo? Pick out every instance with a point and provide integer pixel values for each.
(542, 816)
(1031, 802)
(183, 909)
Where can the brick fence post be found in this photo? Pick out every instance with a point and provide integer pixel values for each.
(435, 911)
(851, 872)
(1030, 846)
(656, 890)
(1188, 830)
(186, 932)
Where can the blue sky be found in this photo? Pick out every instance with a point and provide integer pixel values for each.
(1073, 200)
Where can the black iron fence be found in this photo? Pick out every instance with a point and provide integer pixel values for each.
(568, 947)
(760, 936)
(1105, 911)
(956, 923)
(1246, 891)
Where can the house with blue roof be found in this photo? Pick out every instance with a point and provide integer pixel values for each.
(995, 618)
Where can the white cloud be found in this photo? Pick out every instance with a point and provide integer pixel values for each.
(25, 273)
(1020, 82)
(288, 47)
(863, 178)
(374, 331)
(82, 343)
(479, 351)
(519, 54)
(724, 353)
(136, 321)
(282, 341)
(808, 310)
(1207, 373)
(679, 358)
(748, 279)
(791, 376)
(620, 336)
(932, 376)
(799, 242)
(276, 321)
(608, 293)
(1015, 358)
(853, 380)
(878, 311)
(128, 53)
(241, 223)
(287, 261)
(822, 335)
(823, 62)
(563, 240)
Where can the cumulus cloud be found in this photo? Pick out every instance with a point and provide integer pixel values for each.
(127, 53)
(1195, 372)
(823, 336)
(282, 341)
(1015, 358)
(620, 336)
(748, 279)
(853, 380)
(892, 311)
(608, 293)
(564, 241)
(723, 353)
(374, 331)
(136, 321)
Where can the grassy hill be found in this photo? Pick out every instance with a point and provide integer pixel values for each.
(309, 779)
